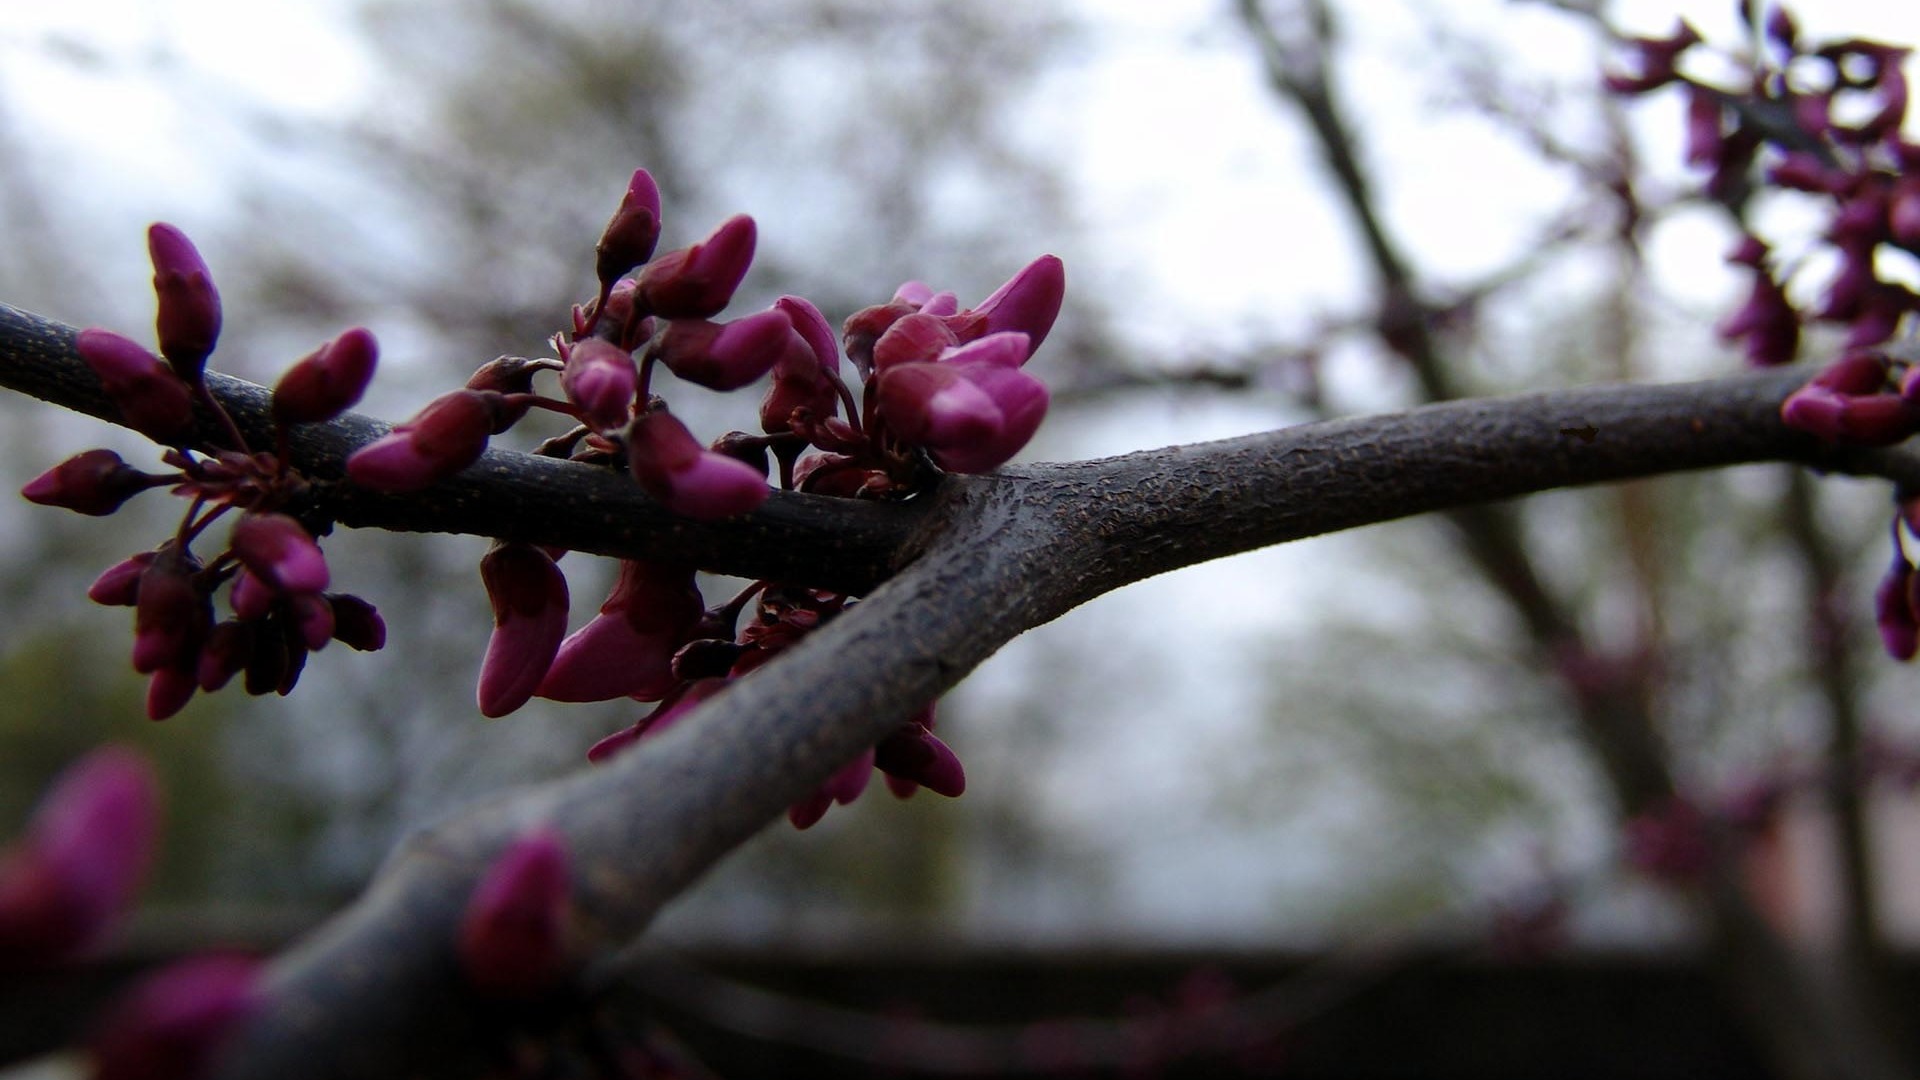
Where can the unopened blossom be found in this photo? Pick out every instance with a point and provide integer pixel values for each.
(1028, 303)
(280, 552)
(801, 381)
(74, 874)
(973, 410)
(119, 584)
(188, 323)
(697, 282)
(918, 338)
(1767, 322)
(328, 381)
(681, 701)
(172, 613)
(630, 237)
(529, 597)
(688, 479)
(724, 356)
(1851, 401)
(1893, 610)
(440, 440)
(94, 483)
(601, 380)
(151, 398)
(356, 623)
(843, 787)
(171, 687)
(914, 753)
(627, 649)
(512, 942)
(173, 1024)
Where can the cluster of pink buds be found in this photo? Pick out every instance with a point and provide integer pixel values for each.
(942, 390)
(1827, 116)
(277, 578)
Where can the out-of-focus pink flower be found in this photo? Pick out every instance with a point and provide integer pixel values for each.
(698, 282)
(84, 856)
(630, 237)
(448, 435)
(1893, 610)
(94, 483)
(1658, 59)
(600, 378)
(627, 650)
(724, 356)
(1705, 127)
(151, 398)
(188, 322)
(280, 552)
(1850, 401)
(513, 937)
(672, 466)
(529, 597)
(327, 382)
(1767, 321)
(173, 1024)
(1668, 842)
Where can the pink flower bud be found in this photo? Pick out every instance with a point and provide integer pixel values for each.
(228, 649)
(800, 381)
(312, 619)
(250, 598)
(356, 624)
(174, 1023)
(151, 398)
(189, 311)
(1706, 129)
(94, 483)
(445, 437)
(698, 282)
(913, 753)
(513, 937)
(671, 466)
(328, 382)
(529, 597)
(813, 329)
(172, 614)
(83, 858)
(1893, 610)
(627, 650)
(119, 586)
(629, 238)
(170, 688)
(913, 339)
(864, 328)
(724, 356)
(973, 411)
(600, 378)
(1767, 321)
(280, 552)
(1028, 303)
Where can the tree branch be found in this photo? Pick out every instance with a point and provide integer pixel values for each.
(376, 992)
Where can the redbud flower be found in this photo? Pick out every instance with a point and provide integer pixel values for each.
(1903, 212)
(915, 754)
(172, 614)
(529, 597)
(328, 382)
(627, 650)
(724, 356)
(356, 624)
(228, 649)
(973, 410)
(173, 1024)
(94, 483)
(1767, 321)
(629, 238)
(1850, 401)
(672, 466)
(170, 688)
(512, 941)
(189, 311)
(801, 380)
(83, 858)
(1658, 58)
(151, 398)
(119, 585)
(918, 338)
(280, 552)
(697, 282)
(1893, 610)
(1028, 303)
(813, 329)
(600, 378)
(448, 435)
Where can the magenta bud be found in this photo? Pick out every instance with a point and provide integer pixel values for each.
(172, 614)
(529, 597)
(629, 238)
(280, 552)
(913, 339)
(724, 356)
(627, 649)
(94, 483)
(1893, 610)
(445, 437)
(807, 813)
(607, 748)
(800, 381)
(84, 855)
(229, 646)
(972, 416)
(356, 623)
(188, 322)
(1768, 323)
(512, 941)
(328, 382)
(1028, 303)
(864, 328)
(913, 753)
(175, 1022)
(698, 282)
(813, 329)
(170, 688)
(600, 379)
(1706, 131)
(312, 619)
(119, 586)
(151, 398)
(672, 466)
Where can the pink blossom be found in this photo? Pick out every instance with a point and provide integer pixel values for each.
(280, 552)
(327, 382)
(173, 1024)
(698, 282)
(188, 322)
(629, 238)
(724, 356)
(513, 937)
(94, 483)
(600, 378)
(445, 437)
(627, 650)
(151, 398)
(529, 597)
(688, 479)
(973, 410)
